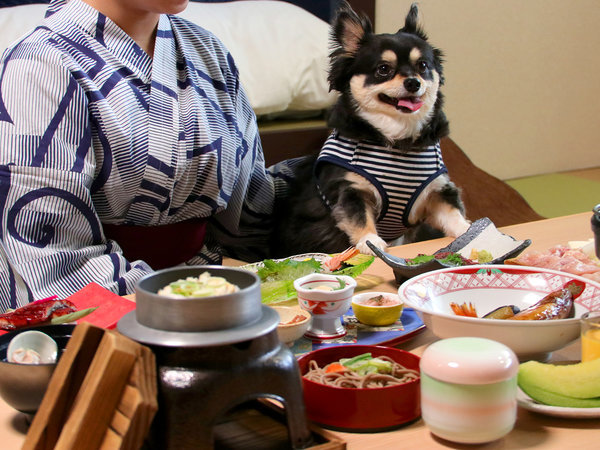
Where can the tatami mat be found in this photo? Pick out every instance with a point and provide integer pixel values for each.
(560, 194)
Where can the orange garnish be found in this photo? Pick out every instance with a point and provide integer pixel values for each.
(336, 261)
(464, 309)
(335, 367)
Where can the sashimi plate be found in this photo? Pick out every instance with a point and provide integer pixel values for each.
(301, 257)
(526, 402)
(281, 289)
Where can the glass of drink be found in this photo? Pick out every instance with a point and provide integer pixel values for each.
(590, 336)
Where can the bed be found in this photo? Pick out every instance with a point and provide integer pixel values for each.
(281, 49)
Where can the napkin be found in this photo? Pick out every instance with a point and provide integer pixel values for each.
(110, 306)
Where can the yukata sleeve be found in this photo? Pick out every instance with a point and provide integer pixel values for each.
(51, 235)
(243, 230)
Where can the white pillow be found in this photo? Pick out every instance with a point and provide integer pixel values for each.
(17, 21)
(280, 49)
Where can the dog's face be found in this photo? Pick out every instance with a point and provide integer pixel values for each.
(392, 80)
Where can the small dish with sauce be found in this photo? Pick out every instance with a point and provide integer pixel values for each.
(377, 308)
(293, 323)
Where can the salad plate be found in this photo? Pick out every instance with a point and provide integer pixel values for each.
(526, 402)
(301, 257)
(277, 275)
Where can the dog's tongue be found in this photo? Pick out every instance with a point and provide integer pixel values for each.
(411, 103)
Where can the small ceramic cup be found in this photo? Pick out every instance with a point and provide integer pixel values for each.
(469, 389)
(377, 309)
(327, 298)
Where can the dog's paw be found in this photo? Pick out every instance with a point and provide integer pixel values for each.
(362, 246)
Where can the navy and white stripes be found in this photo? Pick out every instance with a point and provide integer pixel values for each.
(92, 131)
(399, 176)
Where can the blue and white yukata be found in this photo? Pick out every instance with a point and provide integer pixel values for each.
(398, 176)
(93, 130)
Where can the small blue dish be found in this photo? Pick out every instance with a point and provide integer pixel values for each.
(481, 235)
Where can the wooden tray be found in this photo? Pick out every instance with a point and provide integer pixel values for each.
(101, 395)
(262, 424)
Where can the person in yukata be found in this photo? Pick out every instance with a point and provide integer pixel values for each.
(127, 144)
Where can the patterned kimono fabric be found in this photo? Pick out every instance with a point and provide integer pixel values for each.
(93, 131)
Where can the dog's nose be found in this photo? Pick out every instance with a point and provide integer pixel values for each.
(412, 84)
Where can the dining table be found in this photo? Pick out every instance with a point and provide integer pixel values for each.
(532, 430)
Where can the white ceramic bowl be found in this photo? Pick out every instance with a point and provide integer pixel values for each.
(290, 332)
(488, 287)
(326, 306)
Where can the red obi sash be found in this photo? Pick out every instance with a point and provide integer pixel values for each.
(160, 246)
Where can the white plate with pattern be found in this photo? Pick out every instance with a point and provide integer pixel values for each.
(525, 401)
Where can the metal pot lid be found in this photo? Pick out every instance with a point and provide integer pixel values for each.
(130, 327)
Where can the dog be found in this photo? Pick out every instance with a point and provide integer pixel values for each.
(379, 177)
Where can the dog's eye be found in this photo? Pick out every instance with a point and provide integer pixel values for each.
(422, 66)
(384, 70)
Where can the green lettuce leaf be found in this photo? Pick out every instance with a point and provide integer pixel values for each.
(277, 277)
(287, 269)
(356, 265)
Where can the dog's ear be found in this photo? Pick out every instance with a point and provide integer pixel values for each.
(349, 29)
(411, 23)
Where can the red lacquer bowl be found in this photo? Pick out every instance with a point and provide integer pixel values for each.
(375, 409)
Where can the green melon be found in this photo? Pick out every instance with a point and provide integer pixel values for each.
(580, 381)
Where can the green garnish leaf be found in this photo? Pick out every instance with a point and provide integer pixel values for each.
(72, 317)
(419, 259)
(288, 269)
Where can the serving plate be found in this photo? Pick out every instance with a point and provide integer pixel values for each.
(481, 235)
(526, 402)
(488, 287)
(279, 291)
(408, 326)
(301, 257)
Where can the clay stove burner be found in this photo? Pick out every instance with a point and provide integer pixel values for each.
(204, 374)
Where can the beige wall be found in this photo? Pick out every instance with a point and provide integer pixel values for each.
(522, 79)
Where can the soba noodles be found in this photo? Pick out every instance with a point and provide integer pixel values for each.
(349, 378)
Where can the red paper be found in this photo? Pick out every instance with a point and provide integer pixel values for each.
(110, 306)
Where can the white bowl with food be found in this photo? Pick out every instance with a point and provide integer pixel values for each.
(23, 383)
(293, 323)
(327, 298)
(533, 331)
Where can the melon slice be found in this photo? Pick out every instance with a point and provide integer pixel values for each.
(581, 380)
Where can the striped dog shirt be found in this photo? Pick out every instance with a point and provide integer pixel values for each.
(399, 176)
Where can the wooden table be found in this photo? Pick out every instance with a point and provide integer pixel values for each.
(531, 430)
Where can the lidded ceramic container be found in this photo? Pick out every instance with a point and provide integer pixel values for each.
(469, 389)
